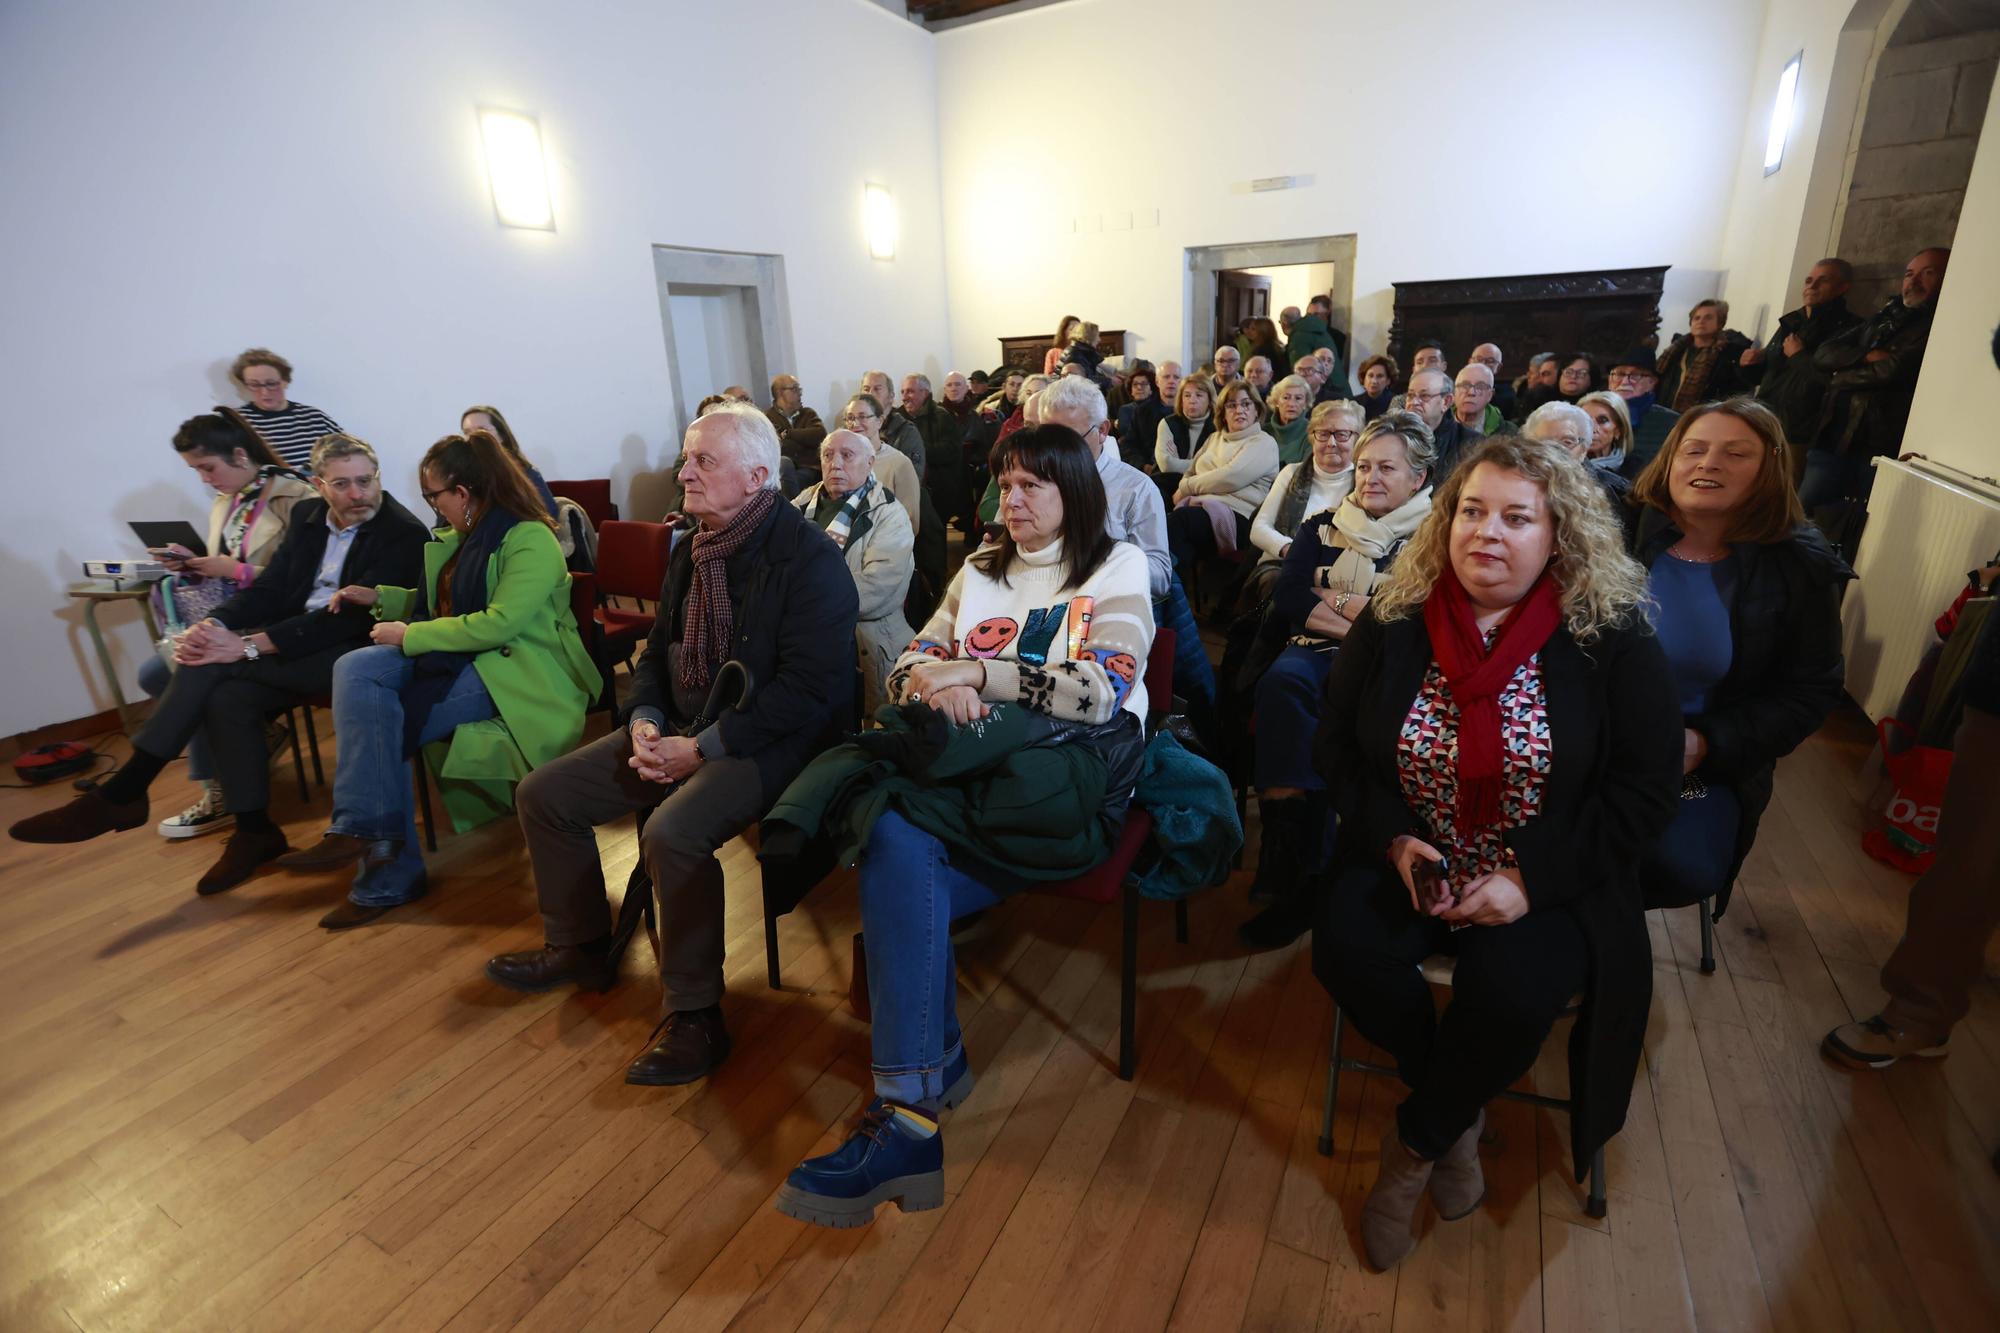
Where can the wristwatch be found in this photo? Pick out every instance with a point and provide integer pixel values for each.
(250, 653)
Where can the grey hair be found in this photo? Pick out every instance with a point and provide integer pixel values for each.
(1552, 417)
(1073, 391)
(1419, 447)
(336, 446)
(924, 380)
(756, 439)
(1540, 359)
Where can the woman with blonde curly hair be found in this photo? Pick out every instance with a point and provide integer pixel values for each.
(1500, 736)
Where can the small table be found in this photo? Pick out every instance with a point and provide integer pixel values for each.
(95, 594)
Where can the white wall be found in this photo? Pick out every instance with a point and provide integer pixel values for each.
(187, 180)
(1190, 104)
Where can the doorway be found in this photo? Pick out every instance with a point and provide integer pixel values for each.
(726, 320)
(1247, 293)
(1227, 283)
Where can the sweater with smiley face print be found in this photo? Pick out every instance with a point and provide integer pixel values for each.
(1074, 653)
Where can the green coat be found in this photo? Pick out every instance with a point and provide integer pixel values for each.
(528, 654)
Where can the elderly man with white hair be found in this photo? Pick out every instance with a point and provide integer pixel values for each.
(1490, 356)
(874, 535)
(759, 583)
(1568, 427)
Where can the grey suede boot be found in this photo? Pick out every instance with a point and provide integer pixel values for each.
(1457, 1184)
(1392, 1204)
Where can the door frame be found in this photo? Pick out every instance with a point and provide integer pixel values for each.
(1205, 261)
(761, 278)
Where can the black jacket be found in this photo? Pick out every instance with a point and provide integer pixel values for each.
(795, 608)
(388, 550)
(1790, 385)
(1786, 672)
(1615, 729)
(1869, 401)
(1454, 440)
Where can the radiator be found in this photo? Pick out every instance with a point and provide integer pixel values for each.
(1927, 526)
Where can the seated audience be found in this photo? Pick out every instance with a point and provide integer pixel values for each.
(1043, 633)
(1341, 556)
(1747, 601)
(1572, 428)
(982, 432)
(270, 646)
(1783, 372)
(1871, 374)
(1133, 510)
(1500, 732)
(1542, 382)
(757, 583)
(1379, 374)
(875, 538)
(1167, 378)
(1635, 379)
(897, 430)
(1181, 435)
(1429, 355)
(1257, 372)
(482, 417)
(1430, 397)
(944, 451)
(1139, 420)
(1488, 355)
(1224, 485)
(291, 429)
(891, 467)
(481, 661)
(1290, 413)
(799, 428)
(1703, 365)
(1227, 364)
(1308, 486)
(1472, 400)
(956, 397)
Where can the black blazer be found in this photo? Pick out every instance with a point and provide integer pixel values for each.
(388, 549)
(795, 610)
(1615, 726)
(1786, 671)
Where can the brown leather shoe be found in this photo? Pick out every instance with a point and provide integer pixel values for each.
(242, 856)
(337, 851)
(535, 970)
(351, 914)
(82, 819)
(692, 1044)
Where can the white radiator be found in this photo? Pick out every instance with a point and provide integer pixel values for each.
(1927, 526)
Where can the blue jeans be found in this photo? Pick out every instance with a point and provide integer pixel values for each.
(154, 677)
(1194, 678)
(1289, 696)
(1830, 477)
(372, 798)
(910, 894)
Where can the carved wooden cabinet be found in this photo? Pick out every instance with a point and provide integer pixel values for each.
(1606, 312)
(1026, 352)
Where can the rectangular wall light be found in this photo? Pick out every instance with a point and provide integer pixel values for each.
(878, 216)
(516, 171)
(1784, 110)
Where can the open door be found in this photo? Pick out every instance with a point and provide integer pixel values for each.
(1238, 296)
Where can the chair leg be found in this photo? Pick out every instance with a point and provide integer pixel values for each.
(1332, 1084)
(1595, 1206)
(312, 739)
(1180, 921)
(1707, 934)
(298, 759)
(1128, 1000)
(770, 947)
(424, 802)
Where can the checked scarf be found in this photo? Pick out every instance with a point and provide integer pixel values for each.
(850, 509)
(710, 618)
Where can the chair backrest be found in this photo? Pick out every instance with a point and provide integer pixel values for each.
(1160, 677)
(632, 558)
(583, 605)
(594, 496)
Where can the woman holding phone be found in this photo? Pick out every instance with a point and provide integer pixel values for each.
(1500, 732)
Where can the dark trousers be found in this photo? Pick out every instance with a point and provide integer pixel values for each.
(560, 806)
(226, 705)
(1288, 703)
(1956, 903)
(1511, 984)
(1191, 539)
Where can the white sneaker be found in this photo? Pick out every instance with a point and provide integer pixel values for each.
(208, 815)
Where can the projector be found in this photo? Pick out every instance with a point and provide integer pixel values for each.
(122, 573)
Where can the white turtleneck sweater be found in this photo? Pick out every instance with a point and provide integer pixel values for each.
(1328, 490)
(1075, 653)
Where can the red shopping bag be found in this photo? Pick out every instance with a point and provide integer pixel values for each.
(1908, 838)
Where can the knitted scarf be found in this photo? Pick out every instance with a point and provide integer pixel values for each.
(1293, 446)
(1475, 675)
(1355, 530)
(1298, 494)
(850, 509)
(711, 620)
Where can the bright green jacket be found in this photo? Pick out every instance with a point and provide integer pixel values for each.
(528, 654)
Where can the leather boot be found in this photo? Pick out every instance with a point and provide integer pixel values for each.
(242, 856)
(1392, 1205)
(591, 966)
(1457, 1184)
(691, 1044)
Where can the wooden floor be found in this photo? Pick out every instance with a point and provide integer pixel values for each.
(215, 1115)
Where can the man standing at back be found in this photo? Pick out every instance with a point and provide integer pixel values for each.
(1782, 371)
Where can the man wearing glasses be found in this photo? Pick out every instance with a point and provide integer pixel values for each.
(271, 646)
(1634, 379)
(1430, 397)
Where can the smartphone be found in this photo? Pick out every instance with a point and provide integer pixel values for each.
(1433, 882)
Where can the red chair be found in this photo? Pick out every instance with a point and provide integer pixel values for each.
(593, 497)
(631, 562)
(583, 606)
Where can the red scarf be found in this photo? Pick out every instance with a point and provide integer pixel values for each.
(1475, 675)
(710, 618)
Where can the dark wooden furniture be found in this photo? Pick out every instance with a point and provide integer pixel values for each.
(1025, 353)
(1606, 312)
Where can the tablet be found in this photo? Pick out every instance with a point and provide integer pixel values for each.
(166, 534)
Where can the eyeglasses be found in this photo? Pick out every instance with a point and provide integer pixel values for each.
(1344, 436)
(1414, 397)
(263, 384)
(430, 497)
(347, 485)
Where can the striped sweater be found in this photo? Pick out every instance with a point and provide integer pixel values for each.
(1078, 654)
(292, 430)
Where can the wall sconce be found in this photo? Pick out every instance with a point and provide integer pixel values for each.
(515, 169)
(878, 215)
(1783, 110)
